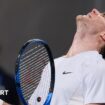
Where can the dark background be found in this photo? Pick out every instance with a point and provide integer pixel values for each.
(50, 20)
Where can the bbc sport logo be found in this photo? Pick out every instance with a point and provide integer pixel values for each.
(4, 92)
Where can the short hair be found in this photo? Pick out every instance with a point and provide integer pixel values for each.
(102, 52)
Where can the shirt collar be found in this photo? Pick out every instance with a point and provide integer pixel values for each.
(87, 54)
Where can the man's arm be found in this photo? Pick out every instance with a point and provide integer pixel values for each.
(3, 103)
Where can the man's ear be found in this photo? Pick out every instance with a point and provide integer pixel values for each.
(102, 35)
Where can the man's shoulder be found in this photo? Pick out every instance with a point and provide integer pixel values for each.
(93, 66)
(94, 73)
(101, 65)
(96, 68)
(58, 59)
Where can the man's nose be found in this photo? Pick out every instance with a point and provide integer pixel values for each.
(95, 12)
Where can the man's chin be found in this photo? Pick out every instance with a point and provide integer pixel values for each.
(79, 17)
(82, 18)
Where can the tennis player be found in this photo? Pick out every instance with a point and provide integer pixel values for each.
(80, 74)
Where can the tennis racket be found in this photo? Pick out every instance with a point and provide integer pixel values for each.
(35, 73)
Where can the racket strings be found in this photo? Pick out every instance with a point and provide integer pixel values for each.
(32, 59)
(32, 64)
(29, 52)
(24, 57)
(37, 65)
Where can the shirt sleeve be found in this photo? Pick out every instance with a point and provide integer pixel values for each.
(95, 87)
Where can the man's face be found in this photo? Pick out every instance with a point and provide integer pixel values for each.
(92, 23)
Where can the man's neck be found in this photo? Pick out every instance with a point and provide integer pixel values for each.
(82, 45)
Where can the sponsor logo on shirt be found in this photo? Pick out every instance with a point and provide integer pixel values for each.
(66, 72)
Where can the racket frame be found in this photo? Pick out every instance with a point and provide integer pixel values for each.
(17, 77)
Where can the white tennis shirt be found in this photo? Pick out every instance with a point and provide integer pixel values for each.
(79, 80)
